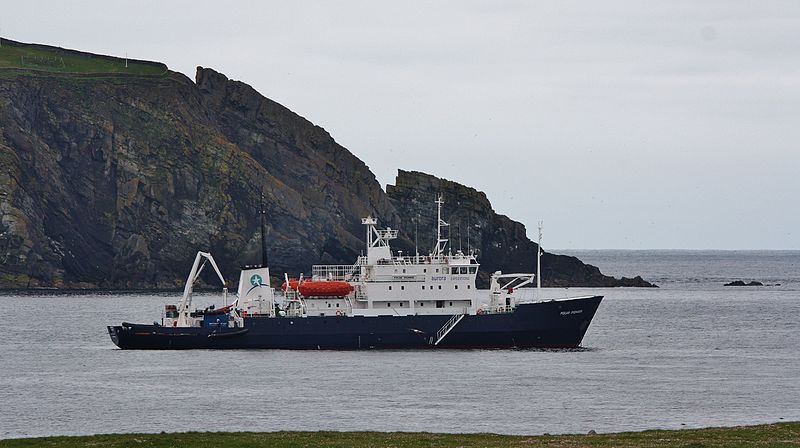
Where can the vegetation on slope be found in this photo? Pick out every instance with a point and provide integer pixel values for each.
(47, 59)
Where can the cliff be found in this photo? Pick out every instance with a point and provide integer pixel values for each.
(115, 181)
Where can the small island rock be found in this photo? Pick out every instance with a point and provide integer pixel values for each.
(741, 283)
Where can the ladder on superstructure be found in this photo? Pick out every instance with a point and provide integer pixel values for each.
(446, 328)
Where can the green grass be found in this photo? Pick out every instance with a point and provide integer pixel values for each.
(47, 59)
(775, 435)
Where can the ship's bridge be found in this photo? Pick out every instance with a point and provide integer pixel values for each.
(441, 282)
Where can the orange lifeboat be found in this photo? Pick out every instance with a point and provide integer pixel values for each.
(325, 288)
(320, 288)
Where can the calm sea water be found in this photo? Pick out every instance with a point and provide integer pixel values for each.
(689, 354)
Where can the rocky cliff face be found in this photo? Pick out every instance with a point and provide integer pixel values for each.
(116, 182)
(500, 243)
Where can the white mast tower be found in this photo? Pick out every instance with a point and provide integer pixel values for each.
(438, 251)
(539, 261)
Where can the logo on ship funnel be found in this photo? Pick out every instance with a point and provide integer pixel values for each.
(256, 280)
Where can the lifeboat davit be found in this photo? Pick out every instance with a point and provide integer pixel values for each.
(320, 288)
(293, 282)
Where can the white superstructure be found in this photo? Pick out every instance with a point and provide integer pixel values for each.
(379, 283)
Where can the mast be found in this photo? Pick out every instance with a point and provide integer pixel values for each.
(416, 246)
(539, 260)
(469, 224)
(438, 251)
(263, 214)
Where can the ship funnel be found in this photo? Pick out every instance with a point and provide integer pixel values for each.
(255, 293)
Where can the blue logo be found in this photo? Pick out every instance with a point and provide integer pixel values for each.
(256, 280)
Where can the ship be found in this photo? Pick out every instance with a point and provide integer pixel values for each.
(385, 300)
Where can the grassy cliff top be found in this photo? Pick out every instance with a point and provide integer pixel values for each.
(46, 59)
(775, 435)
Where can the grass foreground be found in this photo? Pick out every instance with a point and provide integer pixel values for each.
(772, 435)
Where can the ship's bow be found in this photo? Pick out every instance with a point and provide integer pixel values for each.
(558, 323)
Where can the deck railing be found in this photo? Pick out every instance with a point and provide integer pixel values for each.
(340, 272)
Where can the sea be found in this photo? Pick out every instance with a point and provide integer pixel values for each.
(691, 353)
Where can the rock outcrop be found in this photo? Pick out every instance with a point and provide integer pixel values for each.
(500, 243)
(116, 182)
(742, 283)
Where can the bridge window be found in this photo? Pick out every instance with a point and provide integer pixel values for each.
(463, 270)
(473, 269)
(454, 271)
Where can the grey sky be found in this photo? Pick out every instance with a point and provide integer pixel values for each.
(620, 124)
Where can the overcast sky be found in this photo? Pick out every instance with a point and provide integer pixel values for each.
(633, 124)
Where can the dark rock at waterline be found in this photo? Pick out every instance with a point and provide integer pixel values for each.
(741, 283)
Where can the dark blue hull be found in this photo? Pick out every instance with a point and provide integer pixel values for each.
(555, 324)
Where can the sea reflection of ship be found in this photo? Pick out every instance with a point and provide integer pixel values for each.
(382, 301)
